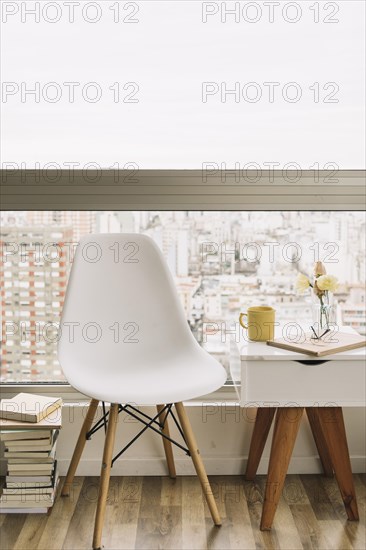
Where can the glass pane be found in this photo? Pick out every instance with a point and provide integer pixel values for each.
(222, 262)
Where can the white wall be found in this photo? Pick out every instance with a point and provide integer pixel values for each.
(223, 435)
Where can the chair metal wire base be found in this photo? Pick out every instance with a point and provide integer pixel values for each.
(148, 421)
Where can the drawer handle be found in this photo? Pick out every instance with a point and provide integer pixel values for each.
(313, 361)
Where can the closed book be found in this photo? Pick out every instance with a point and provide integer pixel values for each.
(23, 435)
(26, 478)
(27, 407)
(5, 509)
(32, 466)
(19, 448)
(39, 497)
(34, 445)
(26, 472)
(45, 456)
(33, 460)
(51, 421)
(24, 454)
(27, 442)
(31, 485)
(28, 490)
(321, 347)
(22, 506)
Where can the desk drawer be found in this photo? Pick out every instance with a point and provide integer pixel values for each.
(305, 383)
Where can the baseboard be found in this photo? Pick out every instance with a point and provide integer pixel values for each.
(214, 466)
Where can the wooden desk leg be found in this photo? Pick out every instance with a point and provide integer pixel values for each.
(320, 442)
(263, 422)
(332, 422)
(284, 436)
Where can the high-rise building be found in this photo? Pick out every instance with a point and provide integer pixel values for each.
(35, 268)
(82, 222)
(115, 222)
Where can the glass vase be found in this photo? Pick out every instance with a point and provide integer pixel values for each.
(323, 312)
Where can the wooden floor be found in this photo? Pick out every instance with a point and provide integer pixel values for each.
(159, 513)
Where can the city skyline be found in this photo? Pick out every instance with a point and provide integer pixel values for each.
(222, 263)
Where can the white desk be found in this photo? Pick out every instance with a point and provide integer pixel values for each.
(285, 383)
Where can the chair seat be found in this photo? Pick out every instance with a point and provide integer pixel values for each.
(184, 377)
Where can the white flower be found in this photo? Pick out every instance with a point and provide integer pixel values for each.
(302, 283)
(327, 282)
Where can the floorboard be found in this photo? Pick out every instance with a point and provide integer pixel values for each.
(159, 513)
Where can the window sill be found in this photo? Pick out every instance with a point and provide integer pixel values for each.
(68, 394)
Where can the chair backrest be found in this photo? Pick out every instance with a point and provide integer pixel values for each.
(121, 308)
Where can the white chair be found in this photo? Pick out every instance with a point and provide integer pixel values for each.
(125, 341)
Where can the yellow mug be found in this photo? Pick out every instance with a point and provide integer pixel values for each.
(260, 324)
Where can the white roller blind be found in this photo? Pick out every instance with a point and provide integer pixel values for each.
(175, 84)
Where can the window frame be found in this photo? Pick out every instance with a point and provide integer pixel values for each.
(201, 189)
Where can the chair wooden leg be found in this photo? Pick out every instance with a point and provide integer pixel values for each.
(320, 442)
(263, 422)
(166, 443)
(105, 475)
(285, 431)
(78, 451)
(332, 423)
(197, 461)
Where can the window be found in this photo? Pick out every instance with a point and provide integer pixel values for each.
(222, 262)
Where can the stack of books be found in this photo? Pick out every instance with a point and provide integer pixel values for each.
(29, 433)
